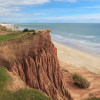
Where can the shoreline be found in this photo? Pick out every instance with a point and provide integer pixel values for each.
(77, 58)
(80, 47)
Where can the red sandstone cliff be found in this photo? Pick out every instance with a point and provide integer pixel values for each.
(35, 60)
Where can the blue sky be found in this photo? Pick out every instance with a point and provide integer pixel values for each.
(50, 11)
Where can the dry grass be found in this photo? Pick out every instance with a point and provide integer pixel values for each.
(16, 83)
(10, 51)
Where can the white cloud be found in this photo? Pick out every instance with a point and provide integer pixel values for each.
(9, 9)
(11, 14)
(93, 7)
(66, 0)
(22, 2)
(85, 18)
(88, 18)
(8, 13)
(6, 9)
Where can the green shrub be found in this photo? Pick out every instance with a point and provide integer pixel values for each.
(31, 31)
(2, 29)
(80, 81)
(34, 33)
(40, 31)
(25, 30)
(93, 98)
(65, 70)
(90, 94)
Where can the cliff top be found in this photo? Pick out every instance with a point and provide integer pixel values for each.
(6, 34)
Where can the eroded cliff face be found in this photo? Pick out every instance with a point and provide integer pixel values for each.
(35, 60)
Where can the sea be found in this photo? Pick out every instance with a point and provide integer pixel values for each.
(81, 36)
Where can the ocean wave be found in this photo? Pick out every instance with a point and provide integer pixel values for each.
(84, 36)
(56, 36)
(69, 34)
(90, 44)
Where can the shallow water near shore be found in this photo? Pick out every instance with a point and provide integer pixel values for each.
(85, 37)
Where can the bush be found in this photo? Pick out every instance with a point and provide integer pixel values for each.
(25, 30)
(3, 28)
(34, 33)
(31, 30)
(40, 31)
(80, 81)
(94, 98)
(64, 70)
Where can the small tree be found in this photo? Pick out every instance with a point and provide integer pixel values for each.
(31, 30)
(16, 27)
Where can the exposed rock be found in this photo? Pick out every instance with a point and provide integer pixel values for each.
(3, 28)
(35, 60)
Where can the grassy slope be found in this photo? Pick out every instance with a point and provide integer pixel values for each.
(25, 94)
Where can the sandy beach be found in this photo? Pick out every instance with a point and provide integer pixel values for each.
(78, 58)
(83, 63)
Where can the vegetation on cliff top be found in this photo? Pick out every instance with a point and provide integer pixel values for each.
(10, 34)
(23, 94)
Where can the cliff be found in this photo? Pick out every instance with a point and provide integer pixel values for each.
(35, 60)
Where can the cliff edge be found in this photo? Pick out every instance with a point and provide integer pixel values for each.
(34, 60)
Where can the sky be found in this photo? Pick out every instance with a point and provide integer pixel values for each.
(50, 11)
